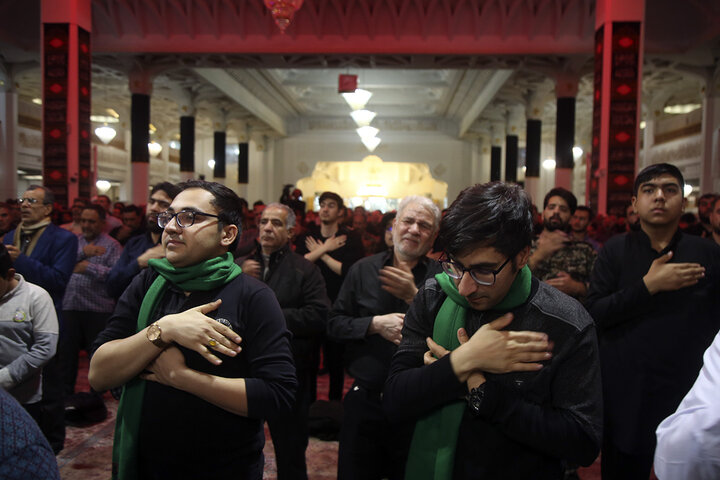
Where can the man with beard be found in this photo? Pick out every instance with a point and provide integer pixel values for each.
(368, 316)
(704, 205)
(142, 248)
(655, 297)
(557, 258)
(715, 220)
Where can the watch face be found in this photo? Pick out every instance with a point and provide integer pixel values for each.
(153, 333)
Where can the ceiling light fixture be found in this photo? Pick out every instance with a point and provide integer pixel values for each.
(37, 101)
(358, 99)
(362, 118)
(680, 109)
(371, 143)
(154, 148)
(548, 164)
(102, 186)
(103, 119)
(577, 153)
(105, 133)
(211, 163)
(367, 132)
(688, 189)
(283, 11)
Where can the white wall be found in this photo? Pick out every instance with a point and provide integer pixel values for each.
(449, 159)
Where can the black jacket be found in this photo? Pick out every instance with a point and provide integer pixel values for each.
(529, 421)
(300, 290)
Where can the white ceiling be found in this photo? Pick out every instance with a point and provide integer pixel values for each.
(275, 95)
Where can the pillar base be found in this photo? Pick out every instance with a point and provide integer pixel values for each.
(140, 182)
(564, 178)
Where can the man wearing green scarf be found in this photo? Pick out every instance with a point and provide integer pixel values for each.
(194, 399)
(499, 370)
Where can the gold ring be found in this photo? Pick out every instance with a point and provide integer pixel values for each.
(212, 342)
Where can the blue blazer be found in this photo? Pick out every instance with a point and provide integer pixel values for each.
(51, 262)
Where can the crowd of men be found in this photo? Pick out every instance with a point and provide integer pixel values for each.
(490, 340)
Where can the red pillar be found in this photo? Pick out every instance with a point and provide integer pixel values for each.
(66, 27)
(618, 76)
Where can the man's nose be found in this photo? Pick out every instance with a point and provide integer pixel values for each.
(467, 285)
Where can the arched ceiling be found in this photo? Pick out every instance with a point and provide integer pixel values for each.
(455, 66)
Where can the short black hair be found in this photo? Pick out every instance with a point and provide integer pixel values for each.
(133, 209)
(587, 209)
(495, 214)
(5, 261)
(170, 188)
(258, 202)
(655, 171)
(49, 197)
(334, 197)
(387, 219)
(100, 210)
(225, 200)
(563, 193)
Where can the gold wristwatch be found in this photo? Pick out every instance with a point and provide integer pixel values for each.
(153, 334)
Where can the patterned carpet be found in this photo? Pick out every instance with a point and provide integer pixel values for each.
(88, 450)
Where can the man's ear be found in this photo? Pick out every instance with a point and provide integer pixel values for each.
(229, 234)
(521, 259)
(10, 274)
(633, 201)
(291, 232)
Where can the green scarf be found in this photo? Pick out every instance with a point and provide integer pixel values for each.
(205, 276)
(432, 450)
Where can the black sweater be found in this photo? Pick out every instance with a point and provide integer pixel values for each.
(186, 434)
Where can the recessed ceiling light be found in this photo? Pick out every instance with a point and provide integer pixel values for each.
(680, 109)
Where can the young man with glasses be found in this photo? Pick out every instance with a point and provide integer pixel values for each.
(368, 316)
(202, 351)
(499, 371)
(44, 254)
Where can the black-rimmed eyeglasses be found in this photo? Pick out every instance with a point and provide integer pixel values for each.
(184, 218)
(481, 275)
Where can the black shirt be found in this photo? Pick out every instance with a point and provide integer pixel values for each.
(361, 298)
(651, 346)
(184, 433)
(348, 254)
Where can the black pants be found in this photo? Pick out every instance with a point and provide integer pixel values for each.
(370, 446)
(49, 413)
(289, 432)
(334, 362)
(618, 465)
(79, 331)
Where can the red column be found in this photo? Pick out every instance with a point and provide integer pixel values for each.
(618, 67)
(66, 26)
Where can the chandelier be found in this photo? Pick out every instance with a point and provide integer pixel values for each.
(283, 11)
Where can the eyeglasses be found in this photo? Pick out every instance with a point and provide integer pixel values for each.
(31, 201)
(482, 276)
(184, 218)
